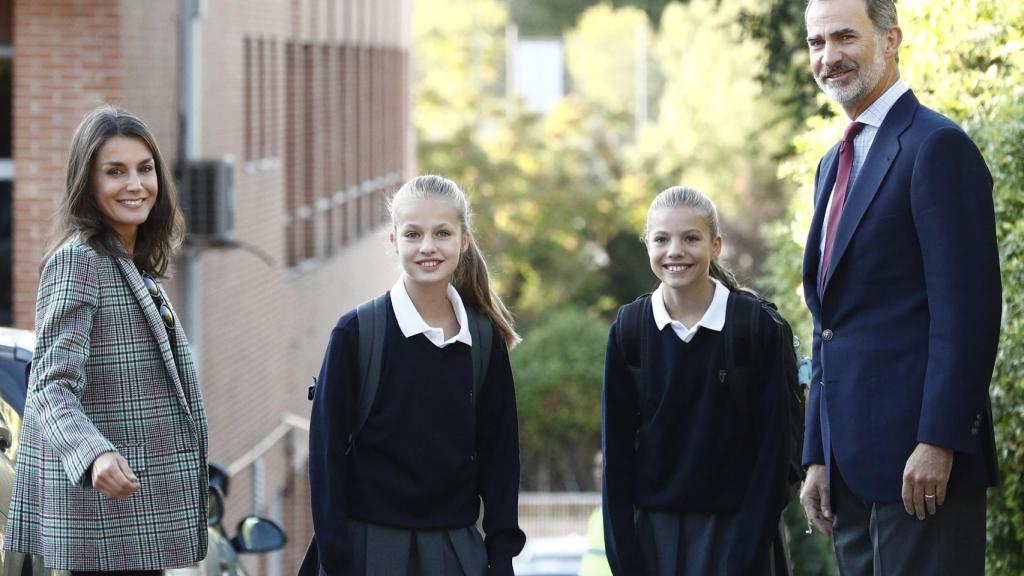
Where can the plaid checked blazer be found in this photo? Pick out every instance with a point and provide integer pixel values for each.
(105, 377)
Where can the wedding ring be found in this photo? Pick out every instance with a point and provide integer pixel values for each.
(810, 529)
(929, 496)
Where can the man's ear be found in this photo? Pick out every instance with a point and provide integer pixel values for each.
(893, 38)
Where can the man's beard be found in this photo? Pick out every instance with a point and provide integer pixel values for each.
(864, 81)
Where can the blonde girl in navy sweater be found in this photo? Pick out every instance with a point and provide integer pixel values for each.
(694, 484)
(404, 495)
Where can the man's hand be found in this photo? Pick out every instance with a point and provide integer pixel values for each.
(112, 475)
(924, 479)
(815, 498)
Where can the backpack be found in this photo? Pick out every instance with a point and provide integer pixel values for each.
(742, 332)
(373, 323)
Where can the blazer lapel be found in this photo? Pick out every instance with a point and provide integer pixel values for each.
(884, 149)
(156, 325)
(812, 251)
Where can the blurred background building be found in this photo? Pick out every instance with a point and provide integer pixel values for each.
(287, 123)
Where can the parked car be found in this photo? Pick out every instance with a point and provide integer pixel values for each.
(552, 556)
(254, 534)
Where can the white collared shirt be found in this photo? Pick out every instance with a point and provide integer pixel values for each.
(872, 119)
(713, 319)
(412, 323)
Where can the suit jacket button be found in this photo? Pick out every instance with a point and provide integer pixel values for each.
(826, 335)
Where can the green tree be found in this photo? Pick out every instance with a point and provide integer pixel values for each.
(619, 37)
(553, 17)
(559, 370)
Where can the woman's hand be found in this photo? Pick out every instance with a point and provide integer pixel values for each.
(112, 475)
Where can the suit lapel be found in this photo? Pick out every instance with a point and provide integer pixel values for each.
(156, 324)
(884, 149)
(812, 252)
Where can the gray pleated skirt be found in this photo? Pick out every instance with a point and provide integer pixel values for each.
(693, 544)
(385, 551)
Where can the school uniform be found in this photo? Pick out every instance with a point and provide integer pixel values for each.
(694, 481)
(404, 496)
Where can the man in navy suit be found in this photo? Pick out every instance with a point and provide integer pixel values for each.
(901, 274)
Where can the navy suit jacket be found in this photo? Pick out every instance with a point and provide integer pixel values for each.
(906, 330)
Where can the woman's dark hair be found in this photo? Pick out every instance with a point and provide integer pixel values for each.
(79, 215)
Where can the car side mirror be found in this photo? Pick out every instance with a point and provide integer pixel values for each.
(215, 509)
(219, 477)
(257, 534)
(5, 436)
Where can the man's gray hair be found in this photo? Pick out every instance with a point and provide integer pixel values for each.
(881, 12)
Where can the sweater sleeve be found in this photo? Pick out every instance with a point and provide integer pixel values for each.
(766, 494)
(620, 410)
(69, 294)
(498, 462)
(330, 424)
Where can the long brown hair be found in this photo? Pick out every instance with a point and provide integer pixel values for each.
(471, 278)
(686, 197)
(79, 215)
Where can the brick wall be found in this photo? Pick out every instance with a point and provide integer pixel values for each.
(68, 60)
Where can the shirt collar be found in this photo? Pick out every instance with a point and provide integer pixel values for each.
(412, 323)
(713, 319)
(875, 113)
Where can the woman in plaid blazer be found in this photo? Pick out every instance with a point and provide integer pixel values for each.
(111, 474)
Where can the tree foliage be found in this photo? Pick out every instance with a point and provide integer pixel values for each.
(558, 383)
(553, 17)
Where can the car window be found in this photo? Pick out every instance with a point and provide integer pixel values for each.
(12, 399)
(13, 384)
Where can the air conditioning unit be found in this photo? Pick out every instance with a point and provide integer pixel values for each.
(207, 197)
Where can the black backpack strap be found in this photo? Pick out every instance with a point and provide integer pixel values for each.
(632, 338)
(741, 335)
(482, 333)
(373, 322)
(742, 326)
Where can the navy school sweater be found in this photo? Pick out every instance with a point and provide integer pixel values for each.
(687, 448)
(428, 453)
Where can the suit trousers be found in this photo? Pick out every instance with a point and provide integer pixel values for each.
(881, 539)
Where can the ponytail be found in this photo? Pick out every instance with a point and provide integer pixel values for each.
(721, 273)
(473, 282)
(471, 278)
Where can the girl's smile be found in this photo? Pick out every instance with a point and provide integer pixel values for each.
(429, 240)
(680, 247)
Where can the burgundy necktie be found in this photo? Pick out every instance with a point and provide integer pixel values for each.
(838, 196)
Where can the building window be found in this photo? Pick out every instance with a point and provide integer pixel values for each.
(291, 204)
(260, 98)
(247, 108)
(6, 165)
(343, 124)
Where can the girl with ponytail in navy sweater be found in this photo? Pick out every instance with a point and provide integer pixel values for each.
(402, 493)
(695, 476)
